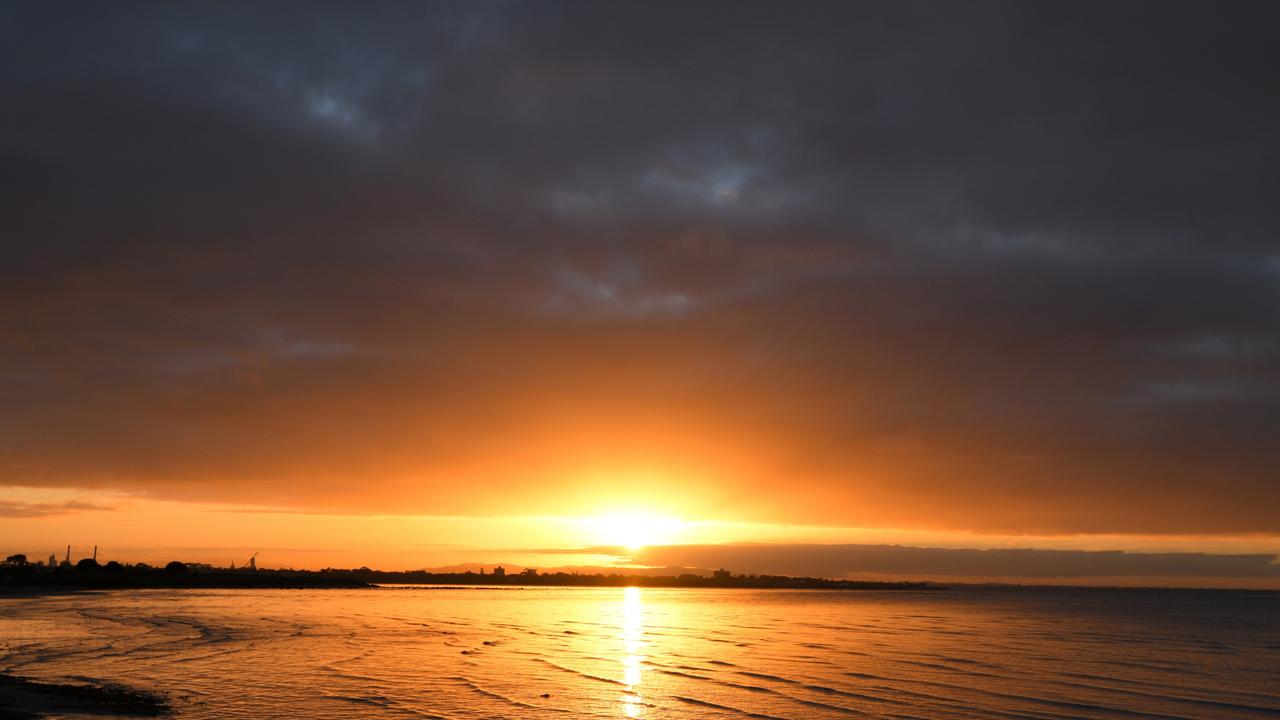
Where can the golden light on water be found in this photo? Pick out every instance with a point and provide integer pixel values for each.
(633, 645)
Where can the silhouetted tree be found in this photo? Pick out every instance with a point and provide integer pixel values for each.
(19, 560)
(87, 564)
(175, 568)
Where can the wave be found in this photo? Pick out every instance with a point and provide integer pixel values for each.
(580, 673)
(472, 685)
(736, 711)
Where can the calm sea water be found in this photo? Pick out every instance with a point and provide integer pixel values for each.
(659, 653)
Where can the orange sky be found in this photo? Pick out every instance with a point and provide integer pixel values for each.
(619, 535)
(939, 279)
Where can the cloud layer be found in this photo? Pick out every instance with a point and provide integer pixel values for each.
(20, 509)
(839, 561)
(991, 266)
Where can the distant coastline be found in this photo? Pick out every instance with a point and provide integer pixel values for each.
(177, 575)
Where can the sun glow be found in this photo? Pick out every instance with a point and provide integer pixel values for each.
(633, 530)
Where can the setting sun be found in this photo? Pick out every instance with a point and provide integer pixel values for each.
(633, 530)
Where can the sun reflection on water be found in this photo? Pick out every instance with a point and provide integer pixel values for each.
(632, 645)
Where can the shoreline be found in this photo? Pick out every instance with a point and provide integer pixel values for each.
(212, 582)
(90, 576)
(37, 591)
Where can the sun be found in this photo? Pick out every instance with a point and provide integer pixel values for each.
(633, 530)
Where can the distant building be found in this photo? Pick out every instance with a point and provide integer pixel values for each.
(530, 572)
(53, 561)
(499, 571)
(721, 574)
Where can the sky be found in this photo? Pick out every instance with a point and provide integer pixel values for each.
(434, 283)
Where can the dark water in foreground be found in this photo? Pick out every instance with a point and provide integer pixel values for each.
(664, 653)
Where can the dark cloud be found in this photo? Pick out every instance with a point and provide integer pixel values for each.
(1032, 565)
(992, 266)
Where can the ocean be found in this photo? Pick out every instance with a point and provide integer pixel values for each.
(663, 653)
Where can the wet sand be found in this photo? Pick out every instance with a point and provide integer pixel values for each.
(22, 698)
